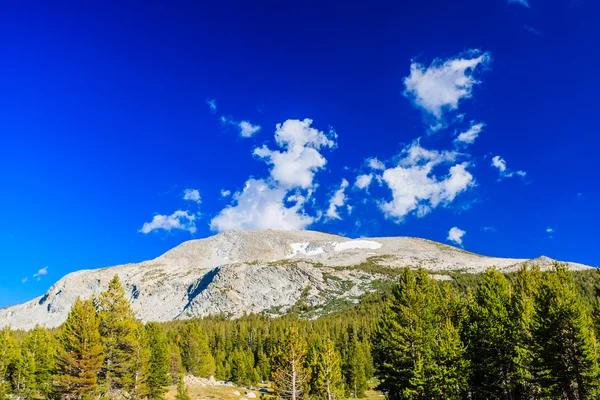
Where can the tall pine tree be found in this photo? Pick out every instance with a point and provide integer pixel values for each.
(417, 349)
(329, 383)
(159, 377)
(288, 370)
(195, 352)
(118, 328)
(80, 354)
(565, 341)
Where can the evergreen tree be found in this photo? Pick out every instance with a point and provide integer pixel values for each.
(141, 365)
(175, 363)
(417, 324)
(288, 372)
(195, 352)
(329, 384)
(42, 347)
(492, 335)
(9, 353)
(564, 339)
(159, 377)
(355, 369)
(118, 328)
(22, 375)
(80, 353)
(182, 390)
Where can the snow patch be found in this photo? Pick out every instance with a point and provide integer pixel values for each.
(306, 249)
(357, 244)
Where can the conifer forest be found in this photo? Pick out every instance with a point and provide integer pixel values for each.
(524, 335)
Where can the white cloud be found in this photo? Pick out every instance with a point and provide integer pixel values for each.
(262, 206)
(374, 163)
(41, 272)
(277, 202)
(441, 86)
(500, 163)
(415, 189)
(297, 164)
(192, 195)
(363, 181)
(468, 137)
(178, 220)
(521, 2)
(212, 105)
(337, 200)
(488, 229)
(455, 235)
(24, 280)
(225, 193)
(247, 129)
(549, 230)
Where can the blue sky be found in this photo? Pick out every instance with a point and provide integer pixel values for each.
(123, 126)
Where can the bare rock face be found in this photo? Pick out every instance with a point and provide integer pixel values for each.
(242, 272)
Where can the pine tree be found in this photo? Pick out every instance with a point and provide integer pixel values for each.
(355, 369)
(141, 365)
(175, 363)
(492, 336)
(80, 353)
(182, 390)
(118, 331)
(522, 313)
(329, 383)
(564, 339)
(42, 347)
(416, 325)
(159, 377)
(9, 353)
(22, 375)
(195, 352)
(288, 372)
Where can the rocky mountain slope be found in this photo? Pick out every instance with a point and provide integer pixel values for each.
(241, 272)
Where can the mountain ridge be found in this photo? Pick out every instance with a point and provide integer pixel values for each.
(237, 272)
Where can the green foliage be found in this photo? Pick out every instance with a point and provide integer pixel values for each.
(564, 340)
(118, 329)
(195, 353)
(289, 374)
(328, 372)
(418, 352)
(526, 335)
(159, 376)
(182, 390)
(80, 354)
(41, 346)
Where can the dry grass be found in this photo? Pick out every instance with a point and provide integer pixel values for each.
(214, 393)
(198, 392)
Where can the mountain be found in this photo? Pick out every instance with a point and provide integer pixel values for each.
(239, 272)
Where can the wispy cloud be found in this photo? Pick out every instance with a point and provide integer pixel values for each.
(337, 200)
(41, 272)
(468, 137)
(499, 163)
(245, 128)
(212, 105)
(192, 195)
(439, 87)
(179, 220)
(524, 3)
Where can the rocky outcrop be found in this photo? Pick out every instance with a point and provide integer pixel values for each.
(240, 272)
